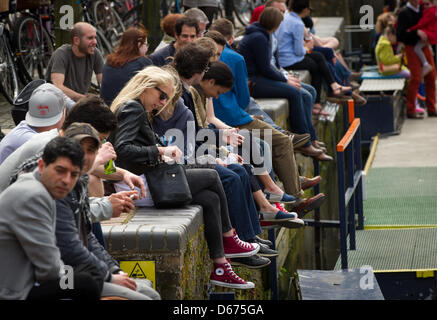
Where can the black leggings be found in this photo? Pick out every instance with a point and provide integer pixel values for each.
(84, 289)
(207, 191)
(316, 64)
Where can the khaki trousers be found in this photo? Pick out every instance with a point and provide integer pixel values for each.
(284, 163)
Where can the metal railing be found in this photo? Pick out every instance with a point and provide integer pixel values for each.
(350, 190)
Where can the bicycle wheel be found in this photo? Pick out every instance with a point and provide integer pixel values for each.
(133, 17)
(103, 44)
(34, 48)
(243, 9)
(108, 21)
(8, 75)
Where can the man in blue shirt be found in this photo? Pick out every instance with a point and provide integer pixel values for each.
(230, 108)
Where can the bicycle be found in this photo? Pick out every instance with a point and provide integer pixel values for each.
(108, 21)
(243, 9)
(8, 74)
(33, 42)
(102, 42)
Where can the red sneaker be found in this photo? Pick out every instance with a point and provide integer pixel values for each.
(224, 276)
(279, 207)
(236, 248)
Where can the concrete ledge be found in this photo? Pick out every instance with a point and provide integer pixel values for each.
(150, 229)
(277, 109)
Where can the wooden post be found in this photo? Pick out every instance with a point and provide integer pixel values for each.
(151, 20)
(67, 13)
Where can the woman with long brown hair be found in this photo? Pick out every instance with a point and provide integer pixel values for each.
(121, 65)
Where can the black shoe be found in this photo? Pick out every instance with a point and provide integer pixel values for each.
(252, 262)
(265, 251)
(263, 241)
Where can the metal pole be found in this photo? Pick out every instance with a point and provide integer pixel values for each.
(62, 35)
(151, 20)
(342, 209)
(317, 229)
(351, 204)
(229, 10)
(273, 268)
(359, 191)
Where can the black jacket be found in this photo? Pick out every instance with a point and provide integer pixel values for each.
(407, 19)
(256, 48)
(164, 55)
(78, 245)
(134, 141)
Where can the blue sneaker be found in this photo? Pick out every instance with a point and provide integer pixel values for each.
(277, 216)
(276, 197)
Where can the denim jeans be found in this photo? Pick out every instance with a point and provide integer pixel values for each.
(309, 95)
(241, 206)
(268, 88)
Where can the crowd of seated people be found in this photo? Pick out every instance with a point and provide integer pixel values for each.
(198, 84)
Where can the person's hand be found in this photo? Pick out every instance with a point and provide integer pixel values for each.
(172, 152)
(106, 152)
(121, 202)
(220, 162)
(231, 137)
(124, 281)
(238, 157)
(422, 35)
(132, 180)
(292, 82)
(309, 45)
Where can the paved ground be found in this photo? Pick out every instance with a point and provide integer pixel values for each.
(6, 122)
(416, 146)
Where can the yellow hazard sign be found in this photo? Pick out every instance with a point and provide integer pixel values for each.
(140, 269)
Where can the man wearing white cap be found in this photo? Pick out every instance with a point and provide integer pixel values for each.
(46, 112)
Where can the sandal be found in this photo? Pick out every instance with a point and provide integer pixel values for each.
(340, 90)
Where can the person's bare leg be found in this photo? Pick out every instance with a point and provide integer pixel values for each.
(269, 184)
(263, 203)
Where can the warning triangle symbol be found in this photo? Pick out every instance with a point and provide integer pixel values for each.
(137, 272)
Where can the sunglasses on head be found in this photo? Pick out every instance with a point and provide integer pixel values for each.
(163, 95)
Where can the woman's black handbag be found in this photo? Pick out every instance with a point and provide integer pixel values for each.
(168, 185)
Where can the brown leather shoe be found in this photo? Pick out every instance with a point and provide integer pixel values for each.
(309, 151)
(358, 99)
(318, 145)
(299, 140)
(309, 205)
(306, 183)
(323, 157)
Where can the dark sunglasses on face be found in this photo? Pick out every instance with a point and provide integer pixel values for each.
(163, 95)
